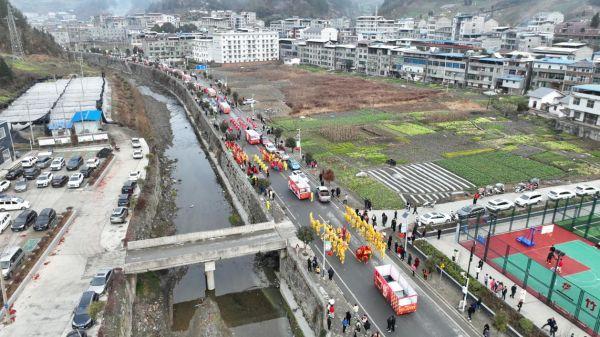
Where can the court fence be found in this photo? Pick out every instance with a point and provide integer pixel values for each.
(578, 215)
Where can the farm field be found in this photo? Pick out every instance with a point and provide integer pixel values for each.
(453, 129)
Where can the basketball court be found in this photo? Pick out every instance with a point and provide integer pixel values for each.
(521, 255)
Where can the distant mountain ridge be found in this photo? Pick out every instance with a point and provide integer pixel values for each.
(506, 12)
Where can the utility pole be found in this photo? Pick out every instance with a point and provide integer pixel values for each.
(30, 128)
(15, 39)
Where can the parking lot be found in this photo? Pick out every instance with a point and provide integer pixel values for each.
(91, 242)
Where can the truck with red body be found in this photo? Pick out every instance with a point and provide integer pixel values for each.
(299, 185)
(252, 137)
(396, 290)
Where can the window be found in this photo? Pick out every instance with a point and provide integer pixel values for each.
(2, 133)
(590, 104)
(576, 101)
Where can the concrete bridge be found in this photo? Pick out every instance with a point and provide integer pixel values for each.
(206, 247)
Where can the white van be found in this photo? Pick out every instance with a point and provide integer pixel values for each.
(28, 161)
(5, 221)
(529, 199)
(13, 204)
(9, 261)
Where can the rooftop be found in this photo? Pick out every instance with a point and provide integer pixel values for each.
(587, 87)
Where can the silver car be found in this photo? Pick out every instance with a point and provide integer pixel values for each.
(100, 281)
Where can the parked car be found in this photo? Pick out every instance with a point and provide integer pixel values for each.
(134, 175)
(77, 333)
(100, 281)
(283, 155)
(10, 259)
(75, 180)
(138, 154)
(28, 161)
(59, 180)
(434, 218)
(499, 204)
(44, 179)
(5, 221)
(74, 163)
(119, 215)
(86, 171)
(471, 211)
(92, 162)
(135, 143)
(8, 203)
(21, 185)
(529, 199)
(293, 164)
(560, 194)
(14, 173)
(44, 162)
(57, 164)
(124, 200)
(45, 219)
(4, 185)
(128, 187)
(24, 220)
(104, 152)
(323, 194)
(585, 189)
(31, 173)
(270, 147)
(81, 314)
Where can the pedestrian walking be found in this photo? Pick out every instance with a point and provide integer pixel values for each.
(393, 323)
(357, 327)
(395, 214)
(415, 265)
(330, 273)
(374, 220)
(471, 311)
(268, 205)
(424, 232)
(355, 310)
(365, 323)
(345, 324)
(402, 253)
(389, 243)
(513, 290)
(389, 323)
(345, 200)
(475, 197)
(314, 262)
(439, 232)
(338, 191)
(348, 316)
(408, 205)
(396, 247)
(477, 271)
(486, 330)
(309, 261)
(415, 209)
(409, 261)
(384, 219)
(504, 291)
(519, 305)
(393, 224)
(485, 280)
(328, 323)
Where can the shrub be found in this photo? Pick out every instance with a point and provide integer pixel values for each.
(501, 321)
(526, 325)
(290, 142)
(308, 157)
(305, 234)
(96, 308)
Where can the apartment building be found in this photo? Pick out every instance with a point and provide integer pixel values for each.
(345, 57)
(517, 69)
(168, 48)
(439, 28)
(378, 61)
(319, 33)
(320, 53)
(409, 63)
(584, 104)
(467, 26)
(578, 31)
(202, 49)
(567, 50)
(550, 73)
(245, 46)
(372, 27)
(447, 68)
(484, 72)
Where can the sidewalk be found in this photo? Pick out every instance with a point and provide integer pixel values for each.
(533, 309)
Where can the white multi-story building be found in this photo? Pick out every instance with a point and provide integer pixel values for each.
(202, 49)
(318, 33)
(439, 28)
(467, 26)
(168, 47)
(584, 104)
(375, 28)
(245, 46)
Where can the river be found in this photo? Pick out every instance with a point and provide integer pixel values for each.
(247, 300)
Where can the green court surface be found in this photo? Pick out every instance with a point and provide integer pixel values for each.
(579, 227)
(571, 291)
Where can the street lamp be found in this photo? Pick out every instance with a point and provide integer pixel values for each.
(466, 288)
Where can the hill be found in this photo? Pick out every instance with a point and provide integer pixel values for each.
(509, 12)
(273, 9)
(34, 41)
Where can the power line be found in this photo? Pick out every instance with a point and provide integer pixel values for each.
(15, 39)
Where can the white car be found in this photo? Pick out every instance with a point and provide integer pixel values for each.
(13, 204)
(44, 179)
(283, 155)
(100, 281)
(4, 185)
(529, 198)
(249, 101)
(138, 154)
(434, 218)
(499, 204)
(560, 194)
(135, 143)
(57, 164)
(583, 190)
(28, 161)
(323, 194)
(270, 147)
(93, 162)
(75, 180)
(5, 221)
(134, 175)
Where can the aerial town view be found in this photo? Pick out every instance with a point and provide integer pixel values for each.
(300, 168)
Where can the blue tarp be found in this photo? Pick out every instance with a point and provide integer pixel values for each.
(58, 124)
(87, 116)
(201, 67)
